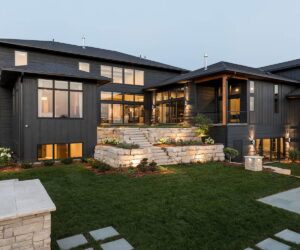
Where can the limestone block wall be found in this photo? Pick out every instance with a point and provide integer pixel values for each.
(120, 157)
(25, 219)
(176, 134)
(198, 153)
(152, 134)
(28, 232)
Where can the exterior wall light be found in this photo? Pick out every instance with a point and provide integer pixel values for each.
(252, 142)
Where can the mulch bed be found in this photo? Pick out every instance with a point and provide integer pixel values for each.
(135, 174)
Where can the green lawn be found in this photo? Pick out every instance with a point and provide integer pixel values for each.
(294, 168)
(206, 206)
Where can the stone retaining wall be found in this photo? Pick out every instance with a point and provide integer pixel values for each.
(121, 157)
(198, 153)
(28, 232)
(25, 219)
(152, 134)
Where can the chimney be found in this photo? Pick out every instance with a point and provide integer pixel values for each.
(83, 42)
(205, 61)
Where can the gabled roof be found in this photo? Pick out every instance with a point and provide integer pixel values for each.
(54, 69)
(294, 94)
(282, 66)
(225, 67)
(90, 52)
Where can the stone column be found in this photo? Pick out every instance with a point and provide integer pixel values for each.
(25, 215)
(189, 104)
(253, 162)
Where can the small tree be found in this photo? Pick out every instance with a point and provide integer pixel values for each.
(294, 155)
(230, 153)
(204, 123)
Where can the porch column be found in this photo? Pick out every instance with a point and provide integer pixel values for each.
(190, 91)
(224, 100)
(153, 103)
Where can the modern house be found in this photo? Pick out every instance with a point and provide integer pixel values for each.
(54, 95)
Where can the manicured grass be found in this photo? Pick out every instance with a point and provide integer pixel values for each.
(201, 206)
(295, 168)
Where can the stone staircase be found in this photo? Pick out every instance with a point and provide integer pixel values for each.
(135, 135)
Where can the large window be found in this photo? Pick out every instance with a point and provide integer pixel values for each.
(60, 99)
(20, 58)
(59, 151)
(169, 106)
(123, 75)
(121, 108)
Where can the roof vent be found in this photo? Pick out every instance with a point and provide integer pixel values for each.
(83, 42)
(205, 61)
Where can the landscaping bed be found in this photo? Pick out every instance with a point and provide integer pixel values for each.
(189, 209)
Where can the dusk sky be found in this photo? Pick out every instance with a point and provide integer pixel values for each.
(253, 33)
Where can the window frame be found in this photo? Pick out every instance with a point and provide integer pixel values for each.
(53, 89)
(84, 63)
(53, 150)
(18, 52)
(122, 103)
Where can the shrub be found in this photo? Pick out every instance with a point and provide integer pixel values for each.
(26, 165)
(204, 123)
(84, 160)
(144, 166)
(5, 156)
(67, 161)
(153, 166)
(102, 166)
(162, 140)
(294, 155)
(230, 153)
(113, 141)
(209, 140)
(48, 163)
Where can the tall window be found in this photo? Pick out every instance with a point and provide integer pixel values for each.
(121, 108)
(106, 71)
(60, 99)
(276, 98)
(20, 58)
(169, 106)
(84, 66)
(120, 75)
(59, 151)
(252, 99)
(117, 75)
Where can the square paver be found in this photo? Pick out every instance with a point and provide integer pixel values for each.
(288, 200)
(248, 248)
(289, 235)
(270, 244)
(104, 233)
(89, 248)
(121, 244)
(73, 241)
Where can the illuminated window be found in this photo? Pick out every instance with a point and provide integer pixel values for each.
(139, 77)
(128, 74)
(128, 97)
(139, 98)
(252, 87)
(45, 152)
(106, 113)
(117, 96)
(106, 96)
(75, 150)
(106, 71)
(84, 66)
(61, 151)
(117, 75)
(20, 58)
(117, 113)
(60, 100)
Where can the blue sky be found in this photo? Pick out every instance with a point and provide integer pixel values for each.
(249, 32)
